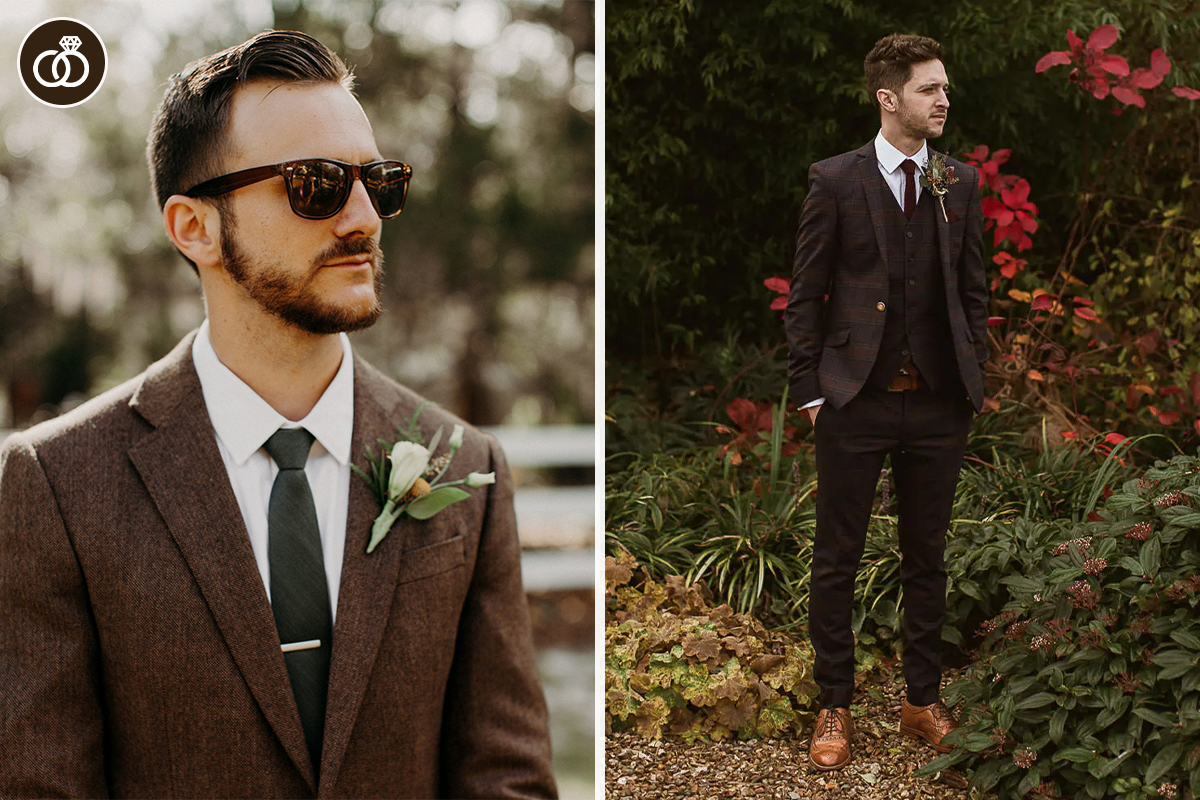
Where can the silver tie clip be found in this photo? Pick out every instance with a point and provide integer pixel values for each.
(311, 644)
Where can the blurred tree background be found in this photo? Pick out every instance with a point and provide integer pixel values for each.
(490, 274)
(489, 294)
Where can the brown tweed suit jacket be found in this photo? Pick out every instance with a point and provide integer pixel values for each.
(841, 252)
(138, 653)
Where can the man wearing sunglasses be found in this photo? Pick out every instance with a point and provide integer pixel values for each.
(187, 606)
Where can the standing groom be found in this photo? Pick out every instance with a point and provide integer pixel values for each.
(187, 605)
(886, 325)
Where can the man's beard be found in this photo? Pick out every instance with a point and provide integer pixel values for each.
(914, 125)
(293, 299)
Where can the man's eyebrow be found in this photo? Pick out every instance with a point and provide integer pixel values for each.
(929, 84)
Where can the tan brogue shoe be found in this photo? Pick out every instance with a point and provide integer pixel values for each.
(830, 745)
(930, 723)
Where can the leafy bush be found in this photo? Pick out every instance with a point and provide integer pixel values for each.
(673, 663)
(1088, 681)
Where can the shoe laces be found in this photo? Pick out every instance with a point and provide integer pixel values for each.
(832, 724)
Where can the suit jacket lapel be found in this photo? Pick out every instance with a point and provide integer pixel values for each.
(181, 466)
(870, 180)
(368, 581)
(946, 249)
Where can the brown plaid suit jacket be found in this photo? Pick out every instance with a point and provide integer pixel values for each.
(841, 253)
(138, 653)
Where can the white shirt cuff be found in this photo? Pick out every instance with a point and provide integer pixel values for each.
(817, 402)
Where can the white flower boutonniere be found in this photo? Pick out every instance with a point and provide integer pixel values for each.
(406, 478)
(938, 178)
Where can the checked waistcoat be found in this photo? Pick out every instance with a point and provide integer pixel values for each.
(917, 326)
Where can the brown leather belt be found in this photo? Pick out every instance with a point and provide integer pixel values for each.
(907, 380)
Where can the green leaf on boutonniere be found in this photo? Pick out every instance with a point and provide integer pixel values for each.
(427, 505)
(406, 477)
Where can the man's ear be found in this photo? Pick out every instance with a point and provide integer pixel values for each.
(194, 227)
(886, 98)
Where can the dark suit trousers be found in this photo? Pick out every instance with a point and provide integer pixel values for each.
(924, 434)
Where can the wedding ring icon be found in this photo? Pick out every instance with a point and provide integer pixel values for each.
(62, 62)
(70, 47)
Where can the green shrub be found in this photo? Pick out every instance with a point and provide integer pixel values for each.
(675, 664)
(1087, 681)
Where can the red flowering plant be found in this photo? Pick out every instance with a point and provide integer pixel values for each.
(781, 285)
(1101, 74)
(1005, 204)
(753, 424)
(1040, 319)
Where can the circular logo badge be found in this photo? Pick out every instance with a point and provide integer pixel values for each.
(62, 62)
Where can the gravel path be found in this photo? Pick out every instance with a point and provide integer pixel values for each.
(884, 760)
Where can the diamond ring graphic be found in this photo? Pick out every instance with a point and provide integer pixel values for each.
(70, 47)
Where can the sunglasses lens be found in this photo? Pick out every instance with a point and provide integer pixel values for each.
(318, 189)
(387, 183)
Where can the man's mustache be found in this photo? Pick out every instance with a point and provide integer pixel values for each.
(345, 248)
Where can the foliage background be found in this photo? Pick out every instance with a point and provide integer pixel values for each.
(716, 110)
(489, 297)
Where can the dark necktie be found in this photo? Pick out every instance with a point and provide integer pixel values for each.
(910, 186)
(299, 593)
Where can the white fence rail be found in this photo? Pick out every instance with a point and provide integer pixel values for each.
(557, 524)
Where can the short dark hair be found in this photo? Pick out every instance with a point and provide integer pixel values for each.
(890, 62)
(188, 138)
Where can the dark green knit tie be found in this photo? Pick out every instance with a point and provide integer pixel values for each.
(299, 594)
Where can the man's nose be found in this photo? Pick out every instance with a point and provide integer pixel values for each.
(358, 216)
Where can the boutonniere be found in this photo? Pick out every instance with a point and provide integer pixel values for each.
(938, 178)
(407, 479)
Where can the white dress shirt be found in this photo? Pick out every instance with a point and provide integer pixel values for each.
(243, 422)
(889, 159)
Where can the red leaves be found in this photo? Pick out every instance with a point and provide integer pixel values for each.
(1143, 78)
(1087, 314)
(996, 211)
(1160, 65)
(1095, 69)
(1022, 222)
(1012, 215)
(989, 170)
(1009, 264)
(994, 321)
(1167, 418)
(777, 284)
(1103, 37)
(755, 422)
(1128, 96)
(781, 285)
(1054, 59)
(1114, 65)
(751, 417)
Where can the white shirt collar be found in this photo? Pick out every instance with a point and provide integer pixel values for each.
(244, 421)
(890, 158)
